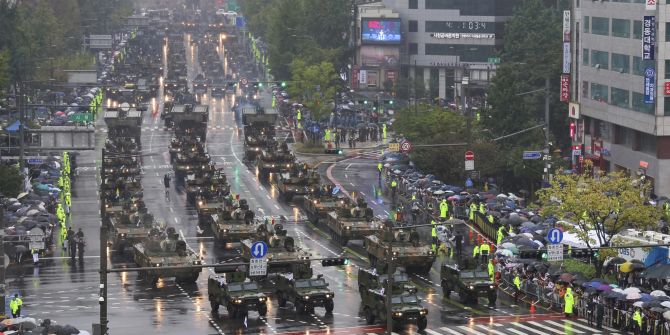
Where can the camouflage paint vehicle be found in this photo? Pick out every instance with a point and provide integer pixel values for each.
(206, 185)
(129, 229)
(234, 223)
(299, 181)
(405, 309)
(469, 283)
(236, 294)
(372, 279)
(405, 246)
(352, 222)
(304, 291)
(157, 251)
(318, 205)
(282, 254)
(277, 158)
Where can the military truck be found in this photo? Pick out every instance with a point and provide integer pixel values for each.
(121, 123)
(405, 245)
(299, 181)
(259, 131)
(319, 204)
(405, 309)
(190, 120)
(470, 283)
(234, 223)
(282, 254)
(352, 222)
(277, 158)
(158, 252)
(304, 291)
(237, 294)
(373, 279)
(129, 229)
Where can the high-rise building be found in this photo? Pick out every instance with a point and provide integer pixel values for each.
(620, 71)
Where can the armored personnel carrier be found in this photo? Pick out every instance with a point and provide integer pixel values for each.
(277, 158)
(405, 309)
(234, 222)
(189, 162)
(352, 222)
(185, 145)
(404, 245)
(259, 131)
(237, 293)
(121, 123)
(319, 204)
(282, 253)
(189, 120)
(372, 279)
(206, 185)
(470, 283)
(206, 207)
(299, 181)
(129, 229)
(166, 249)
(304, 291)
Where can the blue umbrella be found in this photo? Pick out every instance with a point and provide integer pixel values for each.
(646, 297)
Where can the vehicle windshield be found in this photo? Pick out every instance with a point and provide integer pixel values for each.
(405, 299)
(310, 283)
(474, 274)
(242, 287)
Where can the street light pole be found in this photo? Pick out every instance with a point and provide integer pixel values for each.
(103, 253)
(547, 166)
(390, 271)
(22, 113)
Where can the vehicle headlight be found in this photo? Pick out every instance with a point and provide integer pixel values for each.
(330, 295)
(397, 313)
(238, 301)
(188, 167)
(472, 287)
(347, 227)
(423, 312)
(491, 286)
(306, 297)
(199, 203)
(225, 231)
(431, 253)
(122, 235)
(395, 254)
(157, 264)
(197, 262)
(315, 202)
(261, 299)
(288, 165)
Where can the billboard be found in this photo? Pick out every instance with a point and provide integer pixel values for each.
(649, 85)
(380, 31)
(379, 56)
(648, 37)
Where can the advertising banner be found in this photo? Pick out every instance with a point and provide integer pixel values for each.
(651, 4)
(649, 85)
(566, 26)
(648, 37)
(380, 56)
(566, 57)
(363, 77)
(565, 87)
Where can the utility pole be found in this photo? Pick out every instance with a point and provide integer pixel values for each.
(466, 112)
(101, 329)
(547, 155)
(390, 271)
(22, 113)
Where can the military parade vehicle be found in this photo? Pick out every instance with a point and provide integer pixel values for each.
(299, 181)
(117, 206)
(206, 185)
(323, 201)
(304, 291)
(277, 158)
(200, 84)
(206, 207)
(373, 279)
(185, 145)
(218, 87)
(259, 131)
(405, 246)
(189, 120)
(114, 189)
(237, 294)
(166, 249)
(470, 283)
(124, 123)
(351, 221)
(194, 161)
(282, 253)
(405, 309)
(234, 223)
(129, 229)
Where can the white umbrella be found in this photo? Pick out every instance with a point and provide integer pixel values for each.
(505, 252)
(618, 290)
(666, 315)
(529, 235)
(633, 296)
(631, 290)
(638, 304)
(32, 212)
(666, 304)
(508, 245)
(657, 293)
(540, 244)
(501, 196)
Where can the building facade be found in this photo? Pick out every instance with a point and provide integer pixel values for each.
(620, 66)
(446, 40)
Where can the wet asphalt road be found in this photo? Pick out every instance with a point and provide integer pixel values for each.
(68, 292)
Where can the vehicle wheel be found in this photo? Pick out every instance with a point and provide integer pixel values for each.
(329, 305)
(194, 277)
(231, 311)
(464, 296)
(281, 301)
(446, 290)
(263, 310)
(372, 259)
(343, 241)
(214, 304)
(309, 309)
(422, 323)
(299, 307)
(426, 269)
(493, 296)
(369, 316)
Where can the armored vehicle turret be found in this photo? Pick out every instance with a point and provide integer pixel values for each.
(235, 222)
(278, 158)
(166, 249)
(319, 204)
(282, 255)
(353, 221)
(300, 180)
(403, 244)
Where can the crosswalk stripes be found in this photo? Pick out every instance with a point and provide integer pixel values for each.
(531, 327)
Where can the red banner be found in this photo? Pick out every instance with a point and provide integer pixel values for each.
(565, 87)
(354, 77)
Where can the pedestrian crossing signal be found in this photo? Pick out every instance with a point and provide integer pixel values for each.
(334, 261)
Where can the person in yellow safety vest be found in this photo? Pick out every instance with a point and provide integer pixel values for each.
(510, 230)
(517, 286)
(433, 235)
(326, 136)
(444, 208)
(492, 270)
(473, 209)
(484, 251)
(490, 218)
(379, 167)
(569, 302)
(501, 235)
(15, 306)
(482, 208)
(413, 196)
(475, 251)
(637, 321)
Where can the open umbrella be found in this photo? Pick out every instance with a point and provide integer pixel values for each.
(650, 304)
(504, 252)
(631, 290)
(646, 297)
(666, 315)
(626, 267)
(637, 303)
(614, 261)
(603, 287)
(614, 295)
(665, 304)
(633, 296)
(566, 277)
(657, 293)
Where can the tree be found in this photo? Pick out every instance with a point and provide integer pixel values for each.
(602, 204)
(4, 70)
(315, 85)
(11, 181)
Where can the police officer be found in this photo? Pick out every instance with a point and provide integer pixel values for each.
(482, 208)
(433, 235)
(444, 209)
(637, 321)
(492, 270)
(15, 306)
(517, 287)
(484, 251)
(380, 167)
(569, 300)
(475, 252)
(501, 234)
(394, 186)
(473, 209)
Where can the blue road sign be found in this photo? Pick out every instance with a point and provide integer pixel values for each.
(468, 183)
(259, 249)
(555, 236)
(336, 190)
(532, 154)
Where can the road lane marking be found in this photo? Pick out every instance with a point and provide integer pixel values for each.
(520, 325)
(176, 220)
(347, 168)
(490, 330)
(448, 330)
(553, 330)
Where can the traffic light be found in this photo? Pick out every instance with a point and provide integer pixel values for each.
(283, 84)
(334, 261)
(391, 102)
(260, 84)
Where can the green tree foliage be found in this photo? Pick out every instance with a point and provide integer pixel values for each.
(604, 204)
(314, 84)
(11, 181)
(4, 69)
